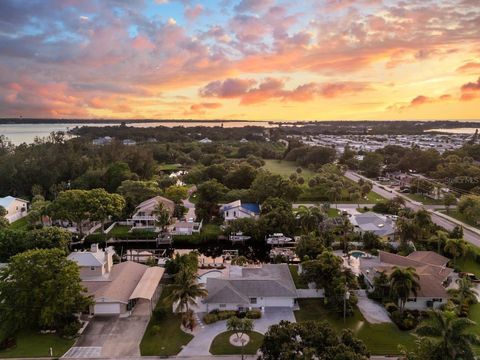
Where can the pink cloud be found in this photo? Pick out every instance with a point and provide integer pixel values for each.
(470, 90)
(191, 13)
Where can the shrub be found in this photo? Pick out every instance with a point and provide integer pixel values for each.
(254, 314)
(70, 329)
(159, 313)
(241, 314)
(210, 318)
(391, 307)
(406, 320)
(227, 314)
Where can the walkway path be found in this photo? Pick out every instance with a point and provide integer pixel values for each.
(200, 344)
(373, 312)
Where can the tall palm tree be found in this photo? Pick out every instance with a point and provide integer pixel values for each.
(403, 283)
(453, 340)
(465, 293)
(186, 290)
(309, 217)
(162, 216)
(440, 238)
(345, 227)
(456, 248)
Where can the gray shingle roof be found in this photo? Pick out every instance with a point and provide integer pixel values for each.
(271, 280)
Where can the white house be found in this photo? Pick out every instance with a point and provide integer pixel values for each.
(238, 210)
(186, 227)
(129, 142)
(144, 216)
(16, 208)
(381, 225)
(102, 140)
(205, 141)
(116, 289)
(244, 288)
(433, 275)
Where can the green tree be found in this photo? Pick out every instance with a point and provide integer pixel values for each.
(371, 164)
(209, 195)
(38, 210)
(309, 217)
(449, 199)
(3, 221)
(103, 205)
(115, 174)
(469, 206)
(309, 245)
(71, 205)
(403, 284)
(456, 248)
(239, 326)
(136, 191)
(452, 338)
(40, 289)
(268, 185)
(323, 270)
(176, 193)
(310, 340)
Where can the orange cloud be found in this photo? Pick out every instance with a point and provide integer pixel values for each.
(470, 90)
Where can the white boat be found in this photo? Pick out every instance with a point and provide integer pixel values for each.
(278, 239)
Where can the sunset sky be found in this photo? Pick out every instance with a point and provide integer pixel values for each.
(240, 59)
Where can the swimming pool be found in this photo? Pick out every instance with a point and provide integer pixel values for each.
(358, 254)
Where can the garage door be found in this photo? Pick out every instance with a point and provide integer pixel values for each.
(107, 309)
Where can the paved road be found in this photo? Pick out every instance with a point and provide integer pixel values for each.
(471, 236)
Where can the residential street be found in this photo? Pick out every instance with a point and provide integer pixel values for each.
(471, 235)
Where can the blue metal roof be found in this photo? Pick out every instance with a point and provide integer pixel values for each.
(255, 208)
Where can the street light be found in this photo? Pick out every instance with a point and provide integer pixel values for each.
(243, 341)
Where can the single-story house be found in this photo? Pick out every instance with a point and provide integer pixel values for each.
(238, 210)
(116, 289)
(102, 140)
(144, 216)
(16, 208)
(129, 142)
(205, 141)
(250, 287)
(186, 227)
(381, 225)
(430, 267)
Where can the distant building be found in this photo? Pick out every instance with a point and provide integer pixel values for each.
(205, 141)
(129, 142)
(243, 141)
(16, 208)
(144, 216)
(238, 210)
(102, 140)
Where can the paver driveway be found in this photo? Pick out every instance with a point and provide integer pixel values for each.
(200, 344)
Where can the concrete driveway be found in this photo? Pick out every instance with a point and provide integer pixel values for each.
(200, 344)
(112, 336)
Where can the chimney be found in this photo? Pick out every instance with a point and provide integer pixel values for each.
(109, 257)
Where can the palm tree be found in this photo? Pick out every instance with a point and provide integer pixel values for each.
(456, 248)
(453, 340)
(309, 217)
(403, 283)
(162, 216)
(345, 228)
(465, 293)
(186, 290)
(440, 238)
(356, 196)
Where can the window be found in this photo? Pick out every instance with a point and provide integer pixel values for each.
(227, 213)
(437, 299)
(92, 268)
(234, 214)
(223, 305)
(412, 300)
(253, 300)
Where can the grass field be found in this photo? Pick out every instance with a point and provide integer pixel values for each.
(35, 345)
(286, 168)
(380, 339)
(170, 338)
(119, 231)
(20, 224)
(457, 215)
(299, 284)
(221, 344)
(424, 199)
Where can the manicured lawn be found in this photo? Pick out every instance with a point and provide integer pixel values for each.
(380, 339)
(20, 224)
(170, 338)
(424, 199)
(299, 284)
(457, 215)
(332, 212)
(119, 231)
(221, 344)
(286, 168)
(35, 345)
(467, 263)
